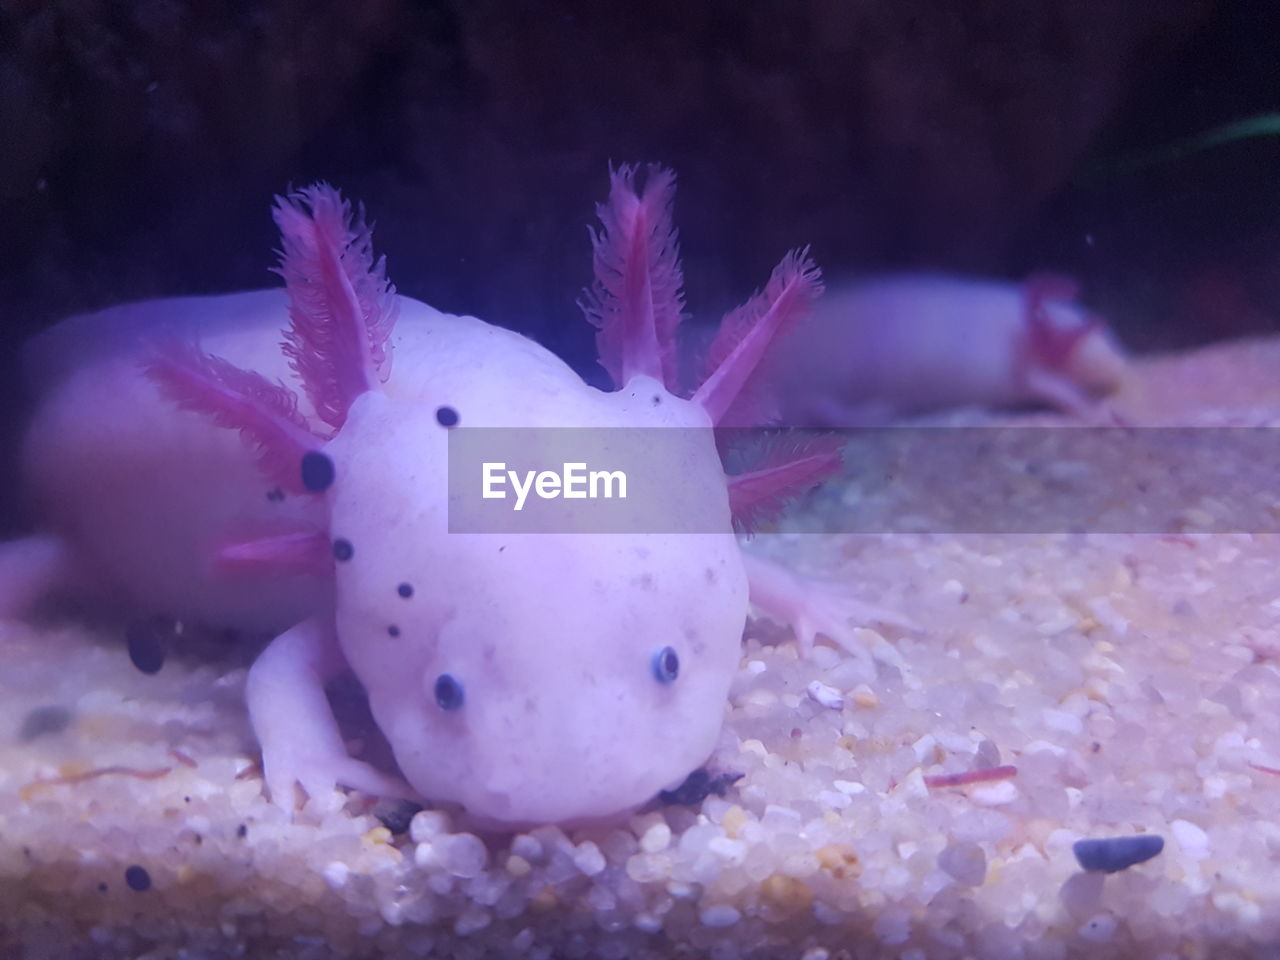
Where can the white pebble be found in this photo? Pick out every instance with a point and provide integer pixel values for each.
(424, 855)
(588, 858)
(656, 839)
(647, 923)
(826, 695)
(1193, 840)
(720, 916)
(1215, 788)
(924, 747)
(1081, 893)
(828, 915)
(527, 847)
(966, 862)
(335, 875)
(427, 824)
(463, 854)
(648, 867)
(832, 800)
(994, 794)
(850, 787)
(1099, 929)
(1044, 746)
(893, 926)
(518, 866)
(1061, 720)
(471, 921)
(731, 851)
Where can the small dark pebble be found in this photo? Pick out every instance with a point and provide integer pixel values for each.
(698, 786)
(137, 878)
(1113, 854)
(396, 814)
(44, 720)
(146, 646)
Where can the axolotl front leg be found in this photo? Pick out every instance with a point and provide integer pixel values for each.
(813, 607)
(294, 722)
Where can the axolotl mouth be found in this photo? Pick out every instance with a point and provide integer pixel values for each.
(507, 811)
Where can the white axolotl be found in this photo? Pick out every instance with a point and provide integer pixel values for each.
(904, 344)
(278, 464)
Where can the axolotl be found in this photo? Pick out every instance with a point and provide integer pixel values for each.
(276, 461)
(903, 344)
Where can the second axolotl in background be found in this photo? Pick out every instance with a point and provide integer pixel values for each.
(898, 345)
(280, 466)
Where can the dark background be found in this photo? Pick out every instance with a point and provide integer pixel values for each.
(141, 143)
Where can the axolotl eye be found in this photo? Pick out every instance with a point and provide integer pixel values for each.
(666, 665)
(448, 691)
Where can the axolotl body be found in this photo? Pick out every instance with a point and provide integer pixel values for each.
(280, 467)
(903, 344)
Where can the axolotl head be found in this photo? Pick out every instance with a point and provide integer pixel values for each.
(1064, 339)
(554, 676)
(530, 677)
(564, 675)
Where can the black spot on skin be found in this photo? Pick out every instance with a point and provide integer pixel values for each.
(276, 495)
(342, 550)
(147, 646)
(317, 471)
(137, 878)
(242, 831)
(44, 721)
(698, 786)
(657, 400)
(393, 631)
(501, 548)
(666, 665)
(405, 590)
(711, 575)
(449, 693)
(102, 888)
(446, 416)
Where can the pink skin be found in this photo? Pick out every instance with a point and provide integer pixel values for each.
(901, 345)
(182, 492)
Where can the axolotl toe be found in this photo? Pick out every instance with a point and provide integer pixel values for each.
(277, 461)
